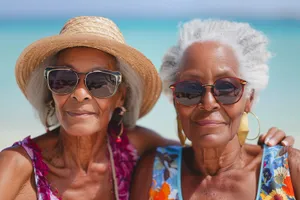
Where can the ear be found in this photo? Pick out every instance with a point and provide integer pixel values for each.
(122, 96)
(250, 101)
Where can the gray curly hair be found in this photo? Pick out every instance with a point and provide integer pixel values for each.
(40, 96)
(248, 44)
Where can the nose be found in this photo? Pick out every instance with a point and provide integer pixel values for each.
(208, 101)
(81, 93)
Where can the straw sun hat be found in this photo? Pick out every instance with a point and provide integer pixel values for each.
(95, 32)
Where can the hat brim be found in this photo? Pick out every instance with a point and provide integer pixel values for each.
(39, 51)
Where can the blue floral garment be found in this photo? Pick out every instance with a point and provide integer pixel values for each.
(275, 178)
(274, 181)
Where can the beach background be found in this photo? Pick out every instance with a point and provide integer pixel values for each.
(151, 27)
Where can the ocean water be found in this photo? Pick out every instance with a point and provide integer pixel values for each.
(278, 105)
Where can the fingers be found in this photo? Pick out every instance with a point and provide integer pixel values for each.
(276, 136)
(267, 138)
(288, 141)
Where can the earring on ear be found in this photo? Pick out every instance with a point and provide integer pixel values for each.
(244, 128)
(50, 113)
(117, 123)
(180, 133)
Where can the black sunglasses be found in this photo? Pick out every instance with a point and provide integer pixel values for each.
(100, 83)
(228, 90)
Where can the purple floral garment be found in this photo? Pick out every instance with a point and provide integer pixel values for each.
(125, 158)
(40, 169)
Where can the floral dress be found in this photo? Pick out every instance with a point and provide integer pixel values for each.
(124, 159)
(274, 180)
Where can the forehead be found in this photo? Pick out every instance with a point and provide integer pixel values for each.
(209, 59)
(85, 59)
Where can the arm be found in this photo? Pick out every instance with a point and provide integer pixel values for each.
(142, 177)
(144, 139)
(15, 170)
(294, 164)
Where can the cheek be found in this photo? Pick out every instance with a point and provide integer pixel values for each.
(60, 101)
(184, 114)
(105, 108)
(235, 113)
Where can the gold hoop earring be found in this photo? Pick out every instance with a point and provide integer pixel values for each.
(244, 128)
(258, 127)
(180, 133)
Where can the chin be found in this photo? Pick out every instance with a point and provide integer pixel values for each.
(212, 140)
(82, 129)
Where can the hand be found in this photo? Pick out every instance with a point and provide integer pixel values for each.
(276, 136)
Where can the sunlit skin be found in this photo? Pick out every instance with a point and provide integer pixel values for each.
(217, 166)
(76, 152)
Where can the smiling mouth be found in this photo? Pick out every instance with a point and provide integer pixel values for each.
(210, 123)
(80, 114)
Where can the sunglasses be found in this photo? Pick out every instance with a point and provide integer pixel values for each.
(100, 83)
(225, 90)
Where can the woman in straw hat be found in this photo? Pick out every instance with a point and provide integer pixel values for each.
(89, 89)
(213, 75)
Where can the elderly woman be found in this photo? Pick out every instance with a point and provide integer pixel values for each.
(215, 74)
(81, 82)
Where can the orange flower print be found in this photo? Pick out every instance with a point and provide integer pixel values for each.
(288, 187)
(160, 194)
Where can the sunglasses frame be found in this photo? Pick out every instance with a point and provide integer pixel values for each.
(116, 74)
(241, 81)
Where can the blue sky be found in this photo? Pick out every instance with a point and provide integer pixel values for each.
(155, 8)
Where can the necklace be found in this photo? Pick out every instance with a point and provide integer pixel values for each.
(113, 170)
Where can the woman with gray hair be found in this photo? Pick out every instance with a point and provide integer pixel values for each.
(214, 75)
(89, 88)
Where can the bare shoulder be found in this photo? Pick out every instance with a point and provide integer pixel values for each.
(15, 158)
(47, 140)
(145, 139)
(143, 176)
(253, 150)
(294, 159)
(294, 164)
(15, 170)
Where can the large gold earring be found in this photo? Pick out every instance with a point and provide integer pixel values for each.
(244, 128)
(180, 133)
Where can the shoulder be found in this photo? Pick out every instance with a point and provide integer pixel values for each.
(15, 170)
(151, 165)
(159, 156)
(294, 165)
(144, 139)
(15, 159)
(143, 176)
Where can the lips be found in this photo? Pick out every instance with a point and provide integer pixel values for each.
(80, 113)
(210, 123)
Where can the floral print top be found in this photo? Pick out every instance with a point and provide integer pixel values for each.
(274, 181)
(124, 154)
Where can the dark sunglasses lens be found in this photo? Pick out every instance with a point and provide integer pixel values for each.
(101, 85)
(62, 81)
(188, 93)
(228, 90)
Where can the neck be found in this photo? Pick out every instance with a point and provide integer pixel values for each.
(212, 161)
(80, 152)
